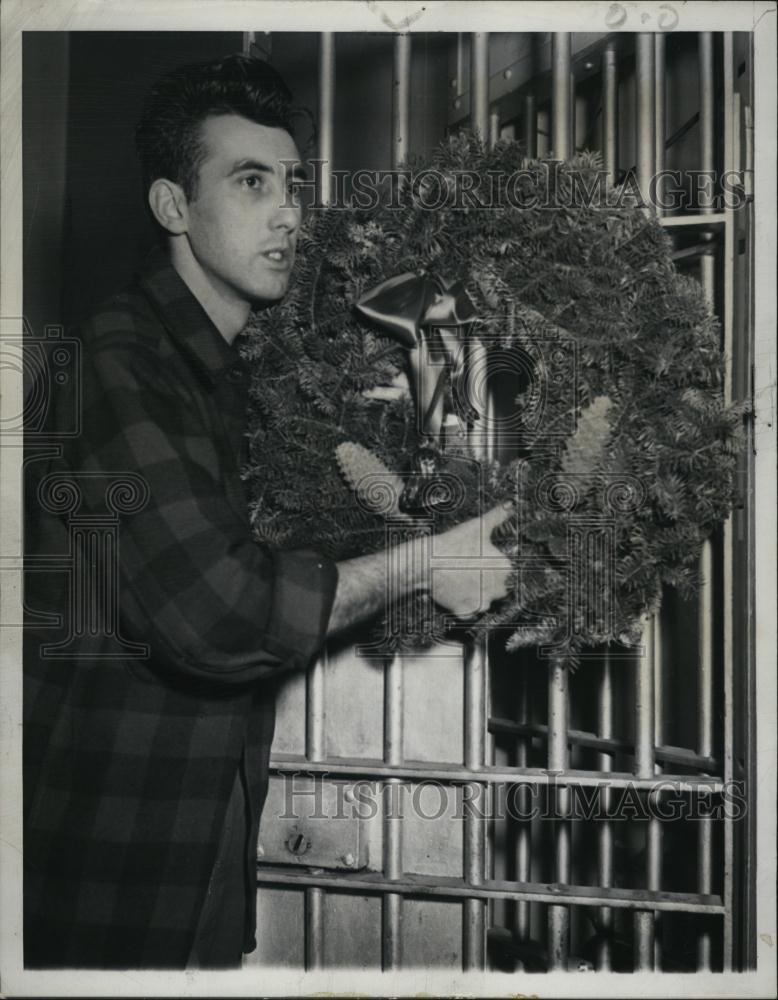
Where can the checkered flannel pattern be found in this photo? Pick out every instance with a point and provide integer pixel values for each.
(129, 762)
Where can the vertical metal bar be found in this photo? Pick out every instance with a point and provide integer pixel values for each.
(707, 118)
(315, 750)
(326, 112)
(544, 132)
(474, 924)
(523, 831)
(475, 695)
(644, 768)
(248, 41)
(530, 126)
(560, 95)
(558, 760)
(654, 847)
(605, 827)
(610, 100)
(459, 85)
(494, 129)
(660, 117)
(645, 66)
(705, 601)
(393, 669)
(393, 866)
(479, 83)
(580, 115)
(731, 161)
(705, 733)
(401, 100)
(314, 720)
(707, 156)
(314, 928)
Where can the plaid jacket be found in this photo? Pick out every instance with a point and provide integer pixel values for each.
(130, 754)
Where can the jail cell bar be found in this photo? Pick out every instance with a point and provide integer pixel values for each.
(478, 774)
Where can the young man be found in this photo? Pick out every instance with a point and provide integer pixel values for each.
(145, 776)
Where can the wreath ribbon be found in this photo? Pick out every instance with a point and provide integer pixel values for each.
(414, 308)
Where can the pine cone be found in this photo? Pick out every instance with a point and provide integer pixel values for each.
(378, 489)
(585, 449)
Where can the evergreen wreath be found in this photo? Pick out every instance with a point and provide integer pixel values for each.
(629, 418)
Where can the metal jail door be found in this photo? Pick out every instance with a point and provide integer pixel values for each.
(384, 843)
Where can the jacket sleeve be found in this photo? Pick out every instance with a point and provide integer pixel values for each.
(193, 584)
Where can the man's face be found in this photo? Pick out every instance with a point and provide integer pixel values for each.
(243, 225)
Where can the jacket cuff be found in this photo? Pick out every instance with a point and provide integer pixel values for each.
(304, 588)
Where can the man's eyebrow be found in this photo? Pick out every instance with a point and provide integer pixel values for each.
(295, 171)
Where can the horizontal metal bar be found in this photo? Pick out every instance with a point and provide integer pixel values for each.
(537, 892)
(582, 738)
(675, 221)
(455, 774)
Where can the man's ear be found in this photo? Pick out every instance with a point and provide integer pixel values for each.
(169, 206)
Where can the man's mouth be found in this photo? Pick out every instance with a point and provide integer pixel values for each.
(280, 255)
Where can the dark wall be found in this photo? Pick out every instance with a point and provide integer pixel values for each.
(86, 226)
(106, 227)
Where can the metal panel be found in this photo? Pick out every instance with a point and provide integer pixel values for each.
(432, 934)
(280, 923)
(311, 823)
(433, 705)
(352, 725)
(353, 931)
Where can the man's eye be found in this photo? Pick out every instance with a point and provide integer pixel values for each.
(253, 181)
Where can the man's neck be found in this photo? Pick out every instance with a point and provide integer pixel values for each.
(229, 314)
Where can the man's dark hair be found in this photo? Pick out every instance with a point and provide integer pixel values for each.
(168, 135)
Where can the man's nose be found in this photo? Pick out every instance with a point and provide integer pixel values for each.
(287, 214)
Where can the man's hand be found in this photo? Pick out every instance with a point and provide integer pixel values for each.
(478, 572)
(472, 575)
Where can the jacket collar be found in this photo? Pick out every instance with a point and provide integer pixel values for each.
(184, 317)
